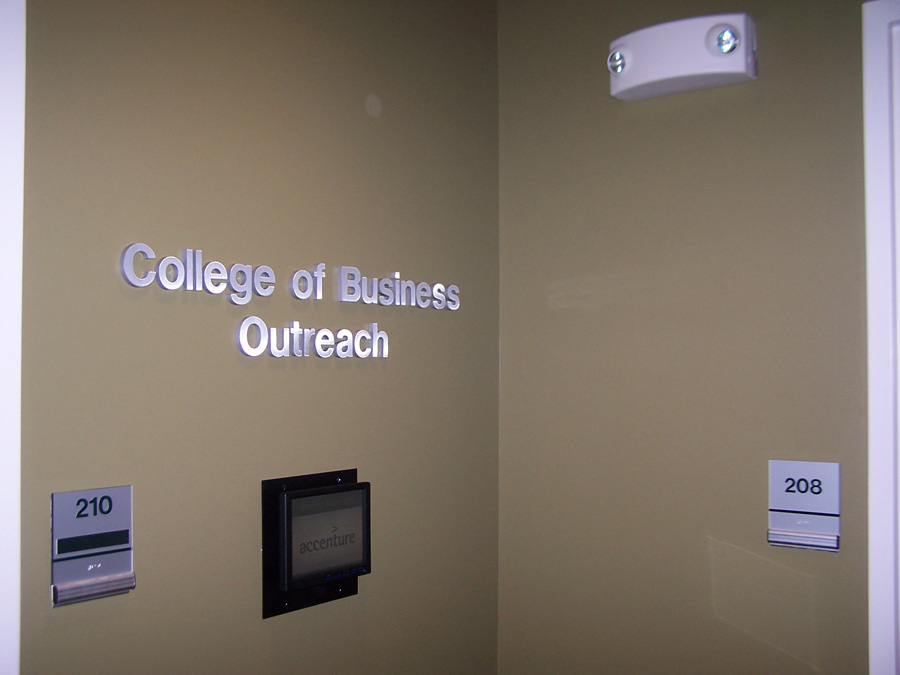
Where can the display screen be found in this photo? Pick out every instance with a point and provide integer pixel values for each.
(325, 534)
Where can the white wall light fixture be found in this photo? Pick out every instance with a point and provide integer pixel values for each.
(684, 55)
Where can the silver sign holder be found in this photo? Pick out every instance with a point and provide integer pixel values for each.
(92, 540)
(805, 504)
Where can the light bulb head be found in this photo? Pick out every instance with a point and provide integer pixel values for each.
(615, 62)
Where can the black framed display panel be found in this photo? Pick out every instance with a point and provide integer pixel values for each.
(315, 539)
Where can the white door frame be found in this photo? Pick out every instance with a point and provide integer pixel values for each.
(881, 95)
(12, 155)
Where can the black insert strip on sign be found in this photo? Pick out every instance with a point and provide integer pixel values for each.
(807, 513)
(87, 542)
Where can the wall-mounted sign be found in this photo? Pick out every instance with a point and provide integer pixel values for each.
(316, 539)
(92, 540)
(188, 272)
(805, 504)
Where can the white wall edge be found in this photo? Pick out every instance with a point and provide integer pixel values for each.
(881, 257)
(12, 162)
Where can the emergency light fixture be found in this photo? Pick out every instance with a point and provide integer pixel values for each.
(684, 55)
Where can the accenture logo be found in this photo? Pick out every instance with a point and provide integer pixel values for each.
(334, 541)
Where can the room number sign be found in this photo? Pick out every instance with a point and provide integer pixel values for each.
(805, 504)
(92, 544)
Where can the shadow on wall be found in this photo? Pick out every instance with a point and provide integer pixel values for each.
(765, 599)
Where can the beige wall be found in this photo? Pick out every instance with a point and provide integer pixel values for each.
(682, 292)
(240, 128)
(682, 297)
